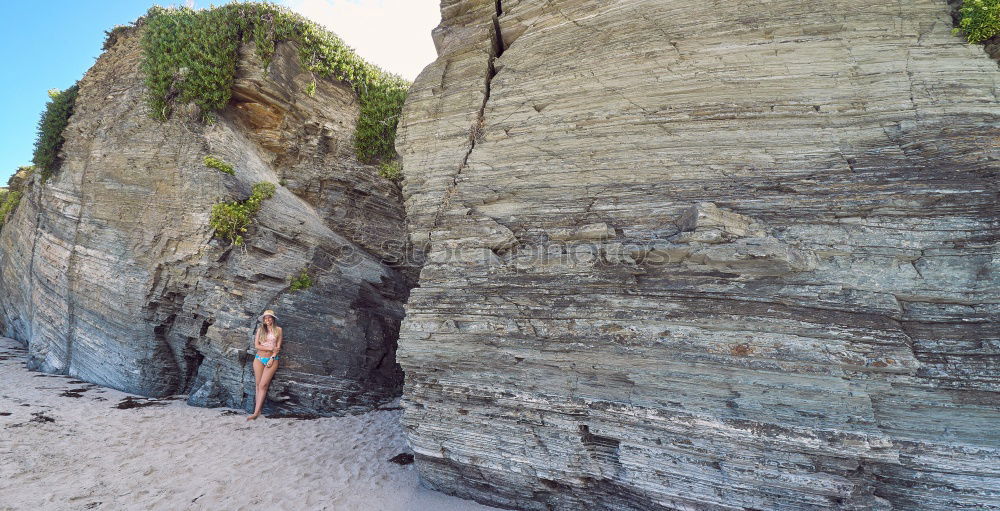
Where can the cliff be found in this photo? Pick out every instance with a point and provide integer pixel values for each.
(704, 256)
(109, 271)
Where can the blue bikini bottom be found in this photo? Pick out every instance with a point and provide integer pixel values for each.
(265, 360)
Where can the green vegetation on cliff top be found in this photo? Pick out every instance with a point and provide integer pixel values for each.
(190, 57)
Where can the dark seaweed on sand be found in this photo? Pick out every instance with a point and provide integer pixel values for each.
(131, 402)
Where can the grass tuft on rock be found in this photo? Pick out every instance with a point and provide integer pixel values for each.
(391, 170)
(302, 281)
(218, 164)
(50, 129)
(190, 56)
(979, 20)
(231, 220)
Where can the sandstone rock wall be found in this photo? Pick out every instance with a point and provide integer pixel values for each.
(704, 255)
(109, 272)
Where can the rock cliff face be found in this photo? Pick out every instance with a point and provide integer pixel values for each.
(110, 272)
(704, 256)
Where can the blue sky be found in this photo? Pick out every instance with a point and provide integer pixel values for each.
(51, 45)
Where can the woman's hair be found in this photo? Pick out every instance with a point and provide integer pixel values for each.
(264, 327)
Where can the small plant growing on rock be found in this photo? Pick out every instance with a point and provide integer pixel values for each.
(979, 20)
(311, 89)
(51, 127)
(391, 170)
(231, 220)
(302, 281)
(221, 166)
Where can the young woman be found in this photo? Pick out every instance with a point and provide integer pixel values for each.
(267, 342)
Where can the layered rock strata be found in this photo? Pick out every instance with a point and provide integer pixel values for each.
(110, 272)
(704, 257)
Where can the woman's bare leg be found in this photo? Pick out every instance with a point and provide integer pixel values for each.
(258, 372)
(262, 384)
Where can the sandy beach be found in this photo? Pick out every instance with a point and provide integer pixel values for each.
(70, 445)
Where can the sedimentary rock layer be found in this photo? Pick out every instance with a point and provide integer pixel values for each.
(704, 256)
(110, 272)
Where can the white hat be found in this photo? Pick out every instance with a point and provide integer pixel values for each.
(268, 312)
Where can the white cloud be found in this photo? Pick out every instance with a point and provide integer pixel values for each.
(392, 34)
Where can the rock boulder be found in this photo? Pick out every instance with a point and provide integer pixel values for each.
(110, 272)
(704, 256)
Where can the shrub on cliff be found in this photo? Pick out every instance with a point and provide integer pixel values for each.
(190, 56)
(979, 19)
(232, 219)
(8, 202)
(50, 129)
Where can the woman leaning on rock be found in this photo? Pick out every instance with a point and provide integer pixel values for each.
(267, 342)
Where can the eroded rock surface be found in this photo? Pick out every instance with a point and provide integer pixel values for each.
(110, 272)
(693, 256)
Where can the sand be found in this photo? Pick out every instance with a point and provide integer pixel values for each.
(65, 445)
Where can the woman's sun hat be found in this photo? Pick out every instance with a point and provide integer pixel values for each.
(268, 312)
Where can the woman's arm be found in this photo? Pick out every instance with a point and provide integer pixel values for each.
(277, 347)
(256, 338)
